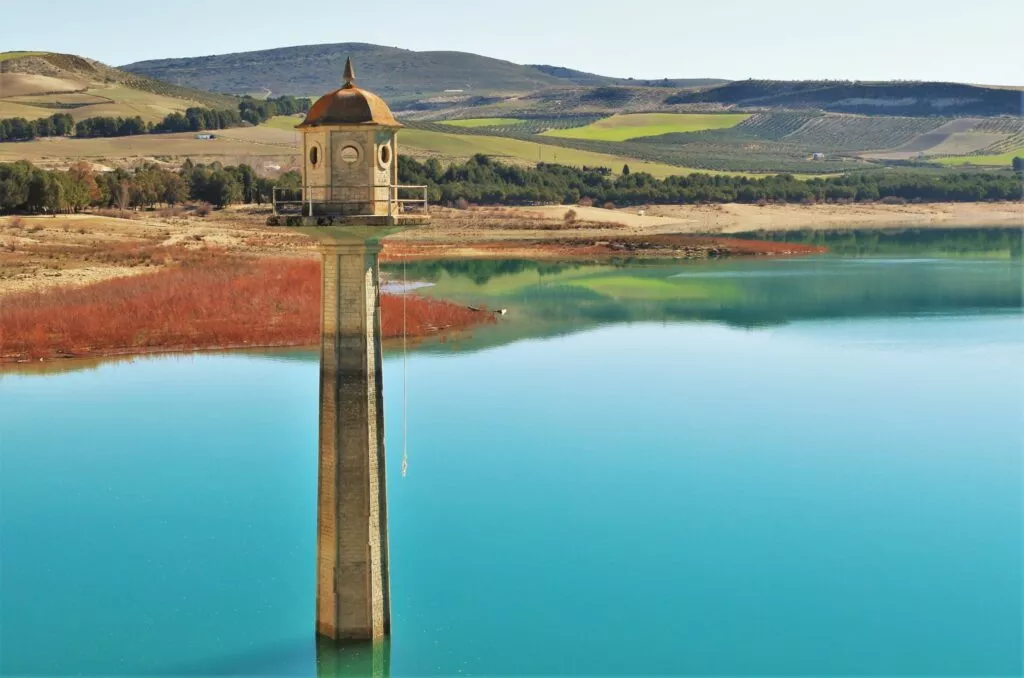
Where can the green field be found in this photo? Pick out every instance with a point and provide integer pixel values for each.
(1003, 159)
(287, 122)
(482, 122)
(6, 56)
(456, 146)
(635, 125)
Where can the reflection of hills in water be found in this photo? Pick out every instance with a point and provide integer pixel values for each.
(547, 300)
(904, 241)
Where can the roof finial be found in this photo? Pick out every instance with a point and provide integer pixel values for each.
(350, 73)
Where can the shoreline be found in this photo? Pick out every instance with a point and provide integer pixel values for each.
(717, 219)
(597, 248)
(90, 286)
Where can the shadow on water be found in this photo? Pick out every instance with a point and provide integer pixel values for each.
(334, 660)
(317, 657)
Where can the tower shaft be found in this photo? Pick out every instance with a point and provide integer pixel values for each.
(352, 599)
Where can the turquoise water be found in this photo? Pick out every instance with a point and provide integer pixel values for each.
(786, 468)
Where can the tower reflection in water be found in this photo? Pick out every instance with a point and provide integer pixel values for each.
(334, 660)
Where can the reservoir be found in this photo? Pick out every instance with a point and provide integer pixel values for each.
(801, 467)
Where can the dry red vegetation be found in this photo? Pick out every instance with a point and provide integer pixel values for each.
(265, 302)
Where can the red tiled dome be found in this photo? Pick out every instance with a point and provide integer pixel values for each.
(350, 106)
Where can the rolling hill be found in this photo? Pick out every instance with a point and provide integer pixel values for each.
(396, 74)
(38, 84)
(438, 85)
(456, 104)
(879, 98)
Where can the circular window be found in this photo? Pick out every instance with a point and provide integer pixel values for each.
(314, 156)
(350, 154)
(385, 155)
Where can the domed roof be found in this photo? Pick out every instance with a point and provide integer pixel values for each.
(349, 106)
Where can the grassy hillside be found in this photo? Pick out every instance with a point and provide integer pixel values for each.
(484, 122)
(436, 141)
(562, 102)
(722, 150)
(804, 142)
(39, 84)
(459, 146)
(230, 147)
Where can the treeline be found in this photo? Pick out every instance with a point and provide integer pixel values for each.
(194, 119)
(106, 126)
(484, 181)
(256, 111)
(20, 129)
(197, 120)
(25, 188)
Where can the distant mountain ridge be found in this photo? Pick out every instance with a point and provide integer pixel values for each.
(394, 73)
(841, 96)
(461, 83)
(590, 79)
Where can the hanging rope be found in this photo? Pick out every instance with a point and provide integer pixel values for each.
(405, 372)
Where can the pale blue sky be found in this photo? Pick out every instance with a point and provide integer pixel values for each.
(977, 41)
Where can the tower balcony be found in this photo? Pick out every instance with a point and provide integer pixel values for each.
(355, 204)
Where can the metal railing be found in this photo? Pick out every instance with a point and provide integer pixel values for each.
(333, 200)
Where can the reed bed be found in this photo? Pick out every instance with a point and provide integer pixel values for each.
(233, 303)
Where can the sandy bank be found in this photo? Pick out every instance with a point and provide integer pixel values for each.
(734, 218)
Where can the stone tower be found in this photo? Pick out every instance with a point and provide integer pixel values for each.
(349, 202)
(349, 153)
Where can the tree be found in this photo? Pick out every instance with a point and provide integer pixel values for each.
(82, 172)
(14, 182)
(45, 192)
(76, 190)
(174, 189)
(221, 189)
(247, 178)
(290, 179)
(625, 170)
(263, 190)
(146, 187)
(1018, 165)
